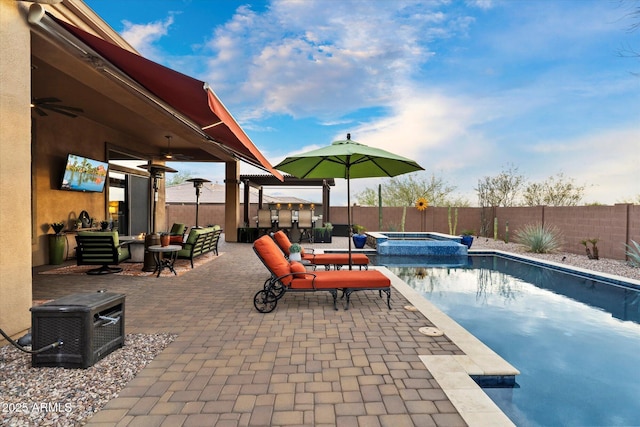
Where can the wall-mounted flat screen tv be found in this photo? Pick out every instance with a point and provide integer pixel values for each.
(84, 174)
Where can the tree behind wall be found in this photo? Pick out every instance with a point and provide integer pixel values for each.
(554, 191)
(405, 190)
(500, 190)
(494, 191)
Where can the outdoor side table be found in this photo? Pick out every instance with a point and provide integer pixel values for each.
(161, 262)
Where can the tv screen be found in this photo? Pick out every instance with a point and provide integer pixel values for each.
(84, 174)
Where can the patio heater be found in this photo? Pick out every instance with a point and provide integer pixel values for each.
(156, 172)
(198, 183)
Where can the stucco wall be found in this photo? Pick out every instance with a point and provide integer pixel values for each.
(15, 170)
(54, 137)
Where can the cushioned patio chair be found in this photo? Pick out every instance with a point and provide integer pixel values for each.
(305, 225)
(326, 260)
(101, 248)
(177, 233)
(285, 220)
(292, 277)
(264, 220)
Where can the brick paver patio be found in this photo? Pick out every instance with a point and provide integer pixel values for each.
(303, 364)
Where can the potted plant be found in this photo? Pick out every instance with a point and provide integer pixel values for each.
(295, 252)
(57, 243)
(57, 227)
(359, 238)
(165, 239)
(467, 238)
(104, 225)
(323, 234)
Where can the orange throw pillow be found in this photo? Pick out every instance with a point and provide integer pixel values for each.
(296, 267)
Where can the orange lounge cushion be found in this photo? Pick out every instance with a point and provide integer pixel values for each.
(272, 257)
(340, 259)
(175, 239)
(339, 279)
(284, 243)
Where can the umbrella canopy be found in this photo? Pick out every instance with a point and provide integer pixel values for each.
(347, 159)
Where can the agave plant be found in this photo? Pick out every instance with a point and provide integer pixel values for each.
(539, 238)
(633, 252)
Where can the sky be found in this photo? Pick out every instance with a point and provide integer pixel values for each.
(467, 89)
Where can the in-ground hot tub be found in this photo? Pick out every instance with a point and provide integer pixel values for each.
(429, 243)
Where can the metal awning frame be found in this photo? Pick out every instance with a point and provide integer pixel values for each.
(50, 28)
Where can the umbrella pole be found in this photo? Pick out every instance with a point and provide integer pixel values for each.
(349, 212)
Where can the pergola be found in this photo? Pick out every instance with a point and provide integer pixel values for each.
(260, 181)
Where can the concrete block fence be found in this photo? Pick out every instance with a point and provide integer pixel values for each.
(613, 226)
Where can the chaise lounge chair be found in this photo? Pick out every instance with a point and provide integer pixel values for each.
(292, 277)
(326, 260)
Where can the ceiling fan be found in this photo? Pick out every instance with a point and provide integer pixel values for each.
(170, 156)
(39, 105)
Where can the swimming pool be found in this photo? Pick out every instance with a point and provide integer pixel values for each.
(576, 340)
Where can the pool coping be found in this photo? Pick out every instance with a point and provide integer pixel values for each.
(453, 372)
(565, 268)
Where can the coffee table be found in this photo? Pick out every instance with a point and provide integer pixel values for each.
(161, 262)
(136, 247)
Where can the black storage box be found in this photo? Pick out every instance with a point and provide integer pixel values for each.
(89, 325)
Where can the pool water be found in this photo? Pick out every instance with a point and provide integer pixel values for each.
(575, 340)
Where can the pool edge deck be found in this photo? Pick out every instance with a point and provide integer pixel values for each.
(453, 373)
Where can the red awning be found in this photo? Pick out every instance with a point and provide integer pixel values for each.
(188, 96)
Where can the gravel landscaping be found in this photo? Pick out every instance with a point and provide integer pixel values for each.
(68, 397)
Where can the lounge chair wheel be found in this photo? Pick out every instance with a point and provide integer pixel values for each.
(277, 288)
(265, 301)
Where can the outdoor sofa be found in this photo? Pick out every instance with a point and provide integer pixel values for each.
(199, 242)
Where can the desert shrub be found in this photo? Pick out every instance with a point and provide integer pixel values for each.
(538, 238)
(633, 252)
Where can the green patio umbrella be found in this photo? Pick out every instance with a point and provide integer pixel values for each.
(347, 159)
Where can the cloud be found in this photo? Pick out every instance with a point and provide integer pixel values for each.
(306, 59)
(463, 91)
(144, 36)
